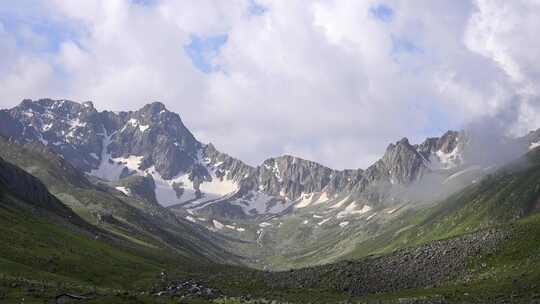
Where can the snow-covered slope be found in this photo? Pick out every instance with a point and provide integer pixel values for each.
(154, 142)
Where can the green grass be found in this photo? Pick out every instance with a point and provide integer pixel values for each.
(42, 255)
(500, 198)
(54, 249)
(512, 273)
(44, 251)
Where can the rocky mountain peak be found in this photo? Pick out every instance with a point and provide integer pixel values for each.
(403, 162)
(65, 126)
(88, 104)
(60, 107)
(291, 176)
(157, 113)
(225, 165)
(445, 152)
(401, 144)
(531, 140)
(154, 141)
(448, 142)
(155, 107)
(155, 116)
(403, 141)
(156, 135)
(397, 149)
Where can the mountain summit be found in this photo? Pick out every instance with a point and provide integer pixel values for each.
(141, 183)
(154, 142)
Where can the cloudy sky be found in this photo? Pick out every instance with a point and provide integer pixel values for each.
(332, 81)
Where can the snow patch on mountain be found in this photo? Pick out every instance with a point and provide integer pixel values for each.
(323, 221)
(218, 186)
(143, 128)
(217, 224)
(166, 194)
(274, 169)
(255, 202)
(164, 189)
(343, 224)
(340, 203)
(442, 160)
(371, 216)
(392, 210)
(534, 145)
(322, 198)
(29, 113)
(76, 123)
(304, 200)
(46, 127)
(109, 168)
(124, 190)
(351, 209)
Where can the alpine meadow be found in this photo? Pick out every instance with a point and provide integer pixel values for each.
(268, 151)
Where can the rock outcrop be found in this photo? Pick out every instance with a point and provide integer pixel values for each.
(153, 141)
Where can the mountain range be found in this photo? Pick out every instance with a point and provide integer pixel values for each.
(154, 142)
(140, 181)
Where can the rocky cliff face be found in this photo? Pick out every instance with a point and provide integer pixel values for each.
(106, 144)
(290, 176)
(79, 133)
(69, 128)
(227, 167)
(402, 164)
(156, 135)
(154, 142)
(444, 152)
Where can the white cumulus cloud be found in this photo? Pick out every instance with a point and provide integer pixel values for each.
(330, 81)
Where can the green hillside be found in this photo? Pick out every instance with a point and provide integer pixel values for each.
(509, 194)
(481, 244)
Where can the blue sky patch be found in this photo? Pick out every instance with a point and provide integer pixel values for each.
(382, 12)
(202, 50)
(37, 34)
(255, 8)
(401, 45)
(145, 2)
